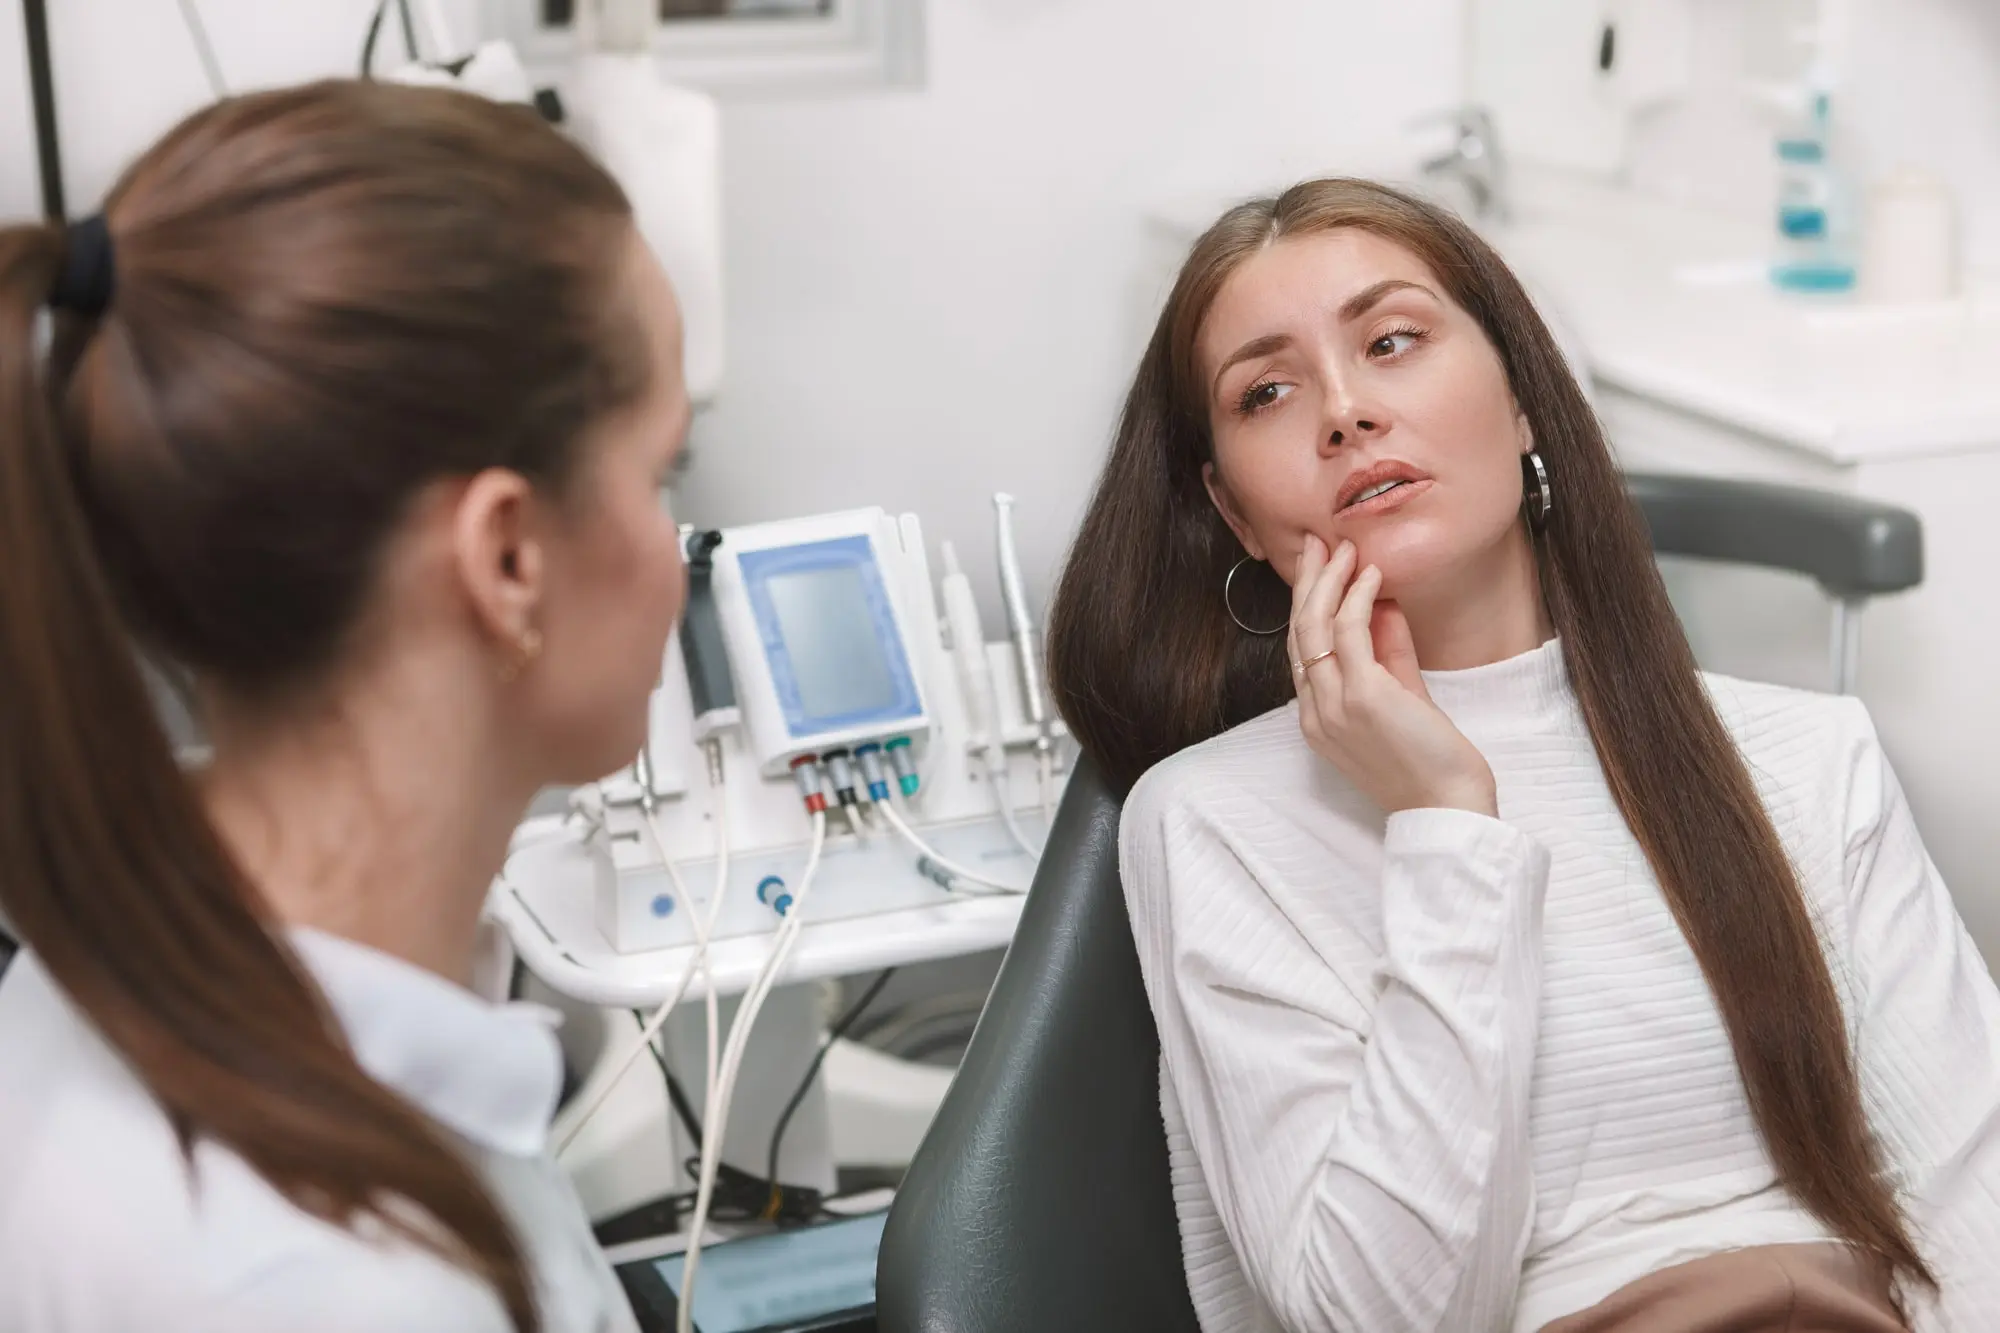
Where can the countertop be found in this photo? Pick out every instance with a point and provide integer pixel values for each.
(1674, 305)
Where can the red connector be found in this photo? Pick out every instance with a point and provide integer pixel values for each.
(805, 772)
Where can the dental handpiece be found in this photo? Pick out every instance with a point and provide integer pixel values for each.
(642, 773)
(1019, 627)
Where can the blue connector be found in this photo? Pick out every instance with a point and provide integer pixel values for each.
(869, 756)
(767, 886)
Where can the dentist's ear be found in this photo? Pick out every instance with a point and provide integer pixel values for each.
(1524, 432)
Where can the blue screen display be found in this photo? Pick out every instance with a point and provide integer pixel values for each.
(830, 637)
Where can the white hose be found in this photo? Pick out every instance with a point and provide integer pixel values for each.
(704, 927)
(997, 775)
(945, 863)
(715, 1114)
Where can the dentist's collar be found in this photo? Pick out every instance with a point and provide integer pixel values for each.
(490, 1073)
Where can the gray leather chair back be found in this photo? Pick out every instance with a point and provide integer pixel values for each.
(1853, 548)
(1039, 1200)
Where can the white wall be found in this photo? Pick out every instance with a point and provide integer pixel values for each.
(125, 70)
(931, 290)
(1918, 84)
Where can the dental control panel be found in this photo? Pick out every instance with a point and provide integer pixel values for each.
(824, 657)
(813, 679)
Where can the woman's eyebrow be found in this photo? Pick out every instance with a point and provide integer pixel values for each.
(1367, 298)
(1250, 351)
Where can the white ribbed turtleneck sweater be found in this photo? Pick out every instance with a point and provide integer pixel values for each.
(1444, 1072)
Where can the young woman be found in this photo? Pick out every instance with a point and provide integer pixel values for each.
(1514, 975)
(357, 409)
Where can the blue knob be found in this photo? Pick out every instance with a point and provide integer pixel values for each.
(784, 903)
(766, 885)
(663, 905)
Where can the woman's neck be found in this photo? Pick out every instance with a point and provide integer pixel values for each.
(1491, 612)
(379, 819)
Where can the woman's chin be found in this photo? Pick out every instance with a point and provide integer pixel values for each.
(1408, 562)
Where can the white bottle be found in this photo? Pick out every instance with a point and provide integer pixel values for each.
(1910, 240)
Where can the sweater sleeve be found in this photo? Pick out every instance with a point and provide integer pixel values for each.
(1364, 1135)
(1929, 1043)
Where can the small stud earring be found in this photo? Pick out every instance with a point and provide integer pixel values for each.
(526, 650)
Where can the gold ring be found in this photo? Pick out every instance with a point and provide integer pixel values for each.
(1300, 668)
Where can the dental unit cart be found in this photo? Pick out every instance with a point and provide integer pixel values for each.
(847, 779)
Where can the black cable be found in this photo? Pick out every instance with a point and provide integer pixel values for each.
(41, 82)
(683, 1106)
(739, 1196)
(204, 49)
(409, 30)
(375, 34)
(368, 42)
(834, 1034)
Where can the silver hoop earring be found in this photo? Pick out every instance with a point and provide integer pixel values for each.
(1536, 499)
(1227, 585)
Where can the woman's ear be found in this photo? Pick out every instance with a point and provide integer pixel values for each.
(1524, 432)
(501, 563)
(1225, 505)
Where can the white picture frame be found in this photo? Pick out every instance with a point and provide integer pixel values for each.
(858, 44)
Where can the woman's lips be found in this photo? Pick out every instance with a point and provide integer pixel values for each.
(1388, 501)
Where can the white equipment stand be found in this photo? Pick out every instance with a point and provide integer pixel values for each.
(870, 908)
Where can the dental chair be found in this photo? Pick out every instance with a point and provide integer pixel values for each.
(1039, 1200)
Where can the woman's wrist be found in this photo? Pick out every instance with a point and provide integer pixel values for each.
(1471, 794)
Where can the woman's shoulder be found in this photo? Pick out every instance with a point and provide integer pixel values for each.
(1257, 790)
(1793, 731)
(1253, 755)
(1818, 767)
(107, 1223)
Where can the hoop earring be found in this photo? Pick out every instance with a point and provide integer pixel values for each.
(1229, 606)
(1537, 499)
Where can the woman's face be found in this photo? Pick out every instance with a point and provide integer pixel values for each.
(616, 580)
(1348, 397)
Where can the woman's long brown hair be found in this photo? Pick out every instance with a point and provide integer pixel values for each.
(325, 298)
(1144, 661)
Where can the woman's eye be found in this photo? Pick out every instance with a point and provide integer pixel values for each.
(1394, 344)
(1260, 396)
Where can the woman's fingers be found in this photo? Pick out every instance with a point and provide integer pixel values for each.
(1313, 613)
(1395, 649)
(1312, 559)
(1318, 666)
(1351, 638)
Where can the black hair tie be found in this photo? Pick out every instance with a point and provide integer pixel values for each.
(85, 282)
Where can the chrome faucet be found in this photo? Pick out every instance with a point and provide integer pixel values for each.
(1476, 163)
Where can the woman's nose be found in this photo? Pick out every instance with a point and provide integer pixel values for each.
(1358, 426)
(1349, 420)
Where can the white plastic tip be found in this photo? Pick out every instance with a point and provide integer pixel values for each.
(950, 554)
(1002, 500)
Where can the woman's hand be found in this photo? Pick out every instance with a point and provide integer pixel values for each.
(1364, 707)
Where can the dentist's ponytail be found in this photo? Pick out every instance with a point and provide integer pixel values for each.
(324, 298)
